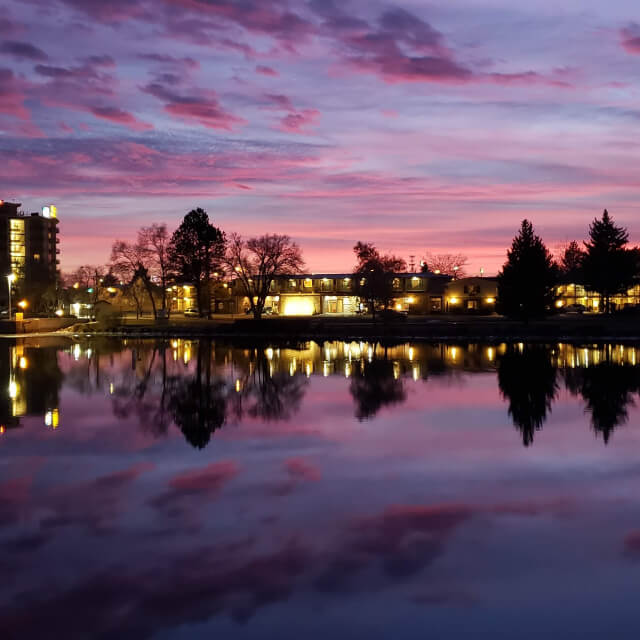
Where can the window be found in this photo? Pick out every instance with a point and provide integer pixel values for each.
(396, 284)
(472, 305)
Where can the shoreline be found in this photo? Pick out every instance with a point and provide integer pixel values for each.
(478, 329)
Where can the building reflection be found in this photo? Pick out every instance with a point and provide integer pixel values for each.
(31, 381)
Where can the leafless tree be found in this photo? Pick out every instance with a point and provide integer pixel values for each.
(154, 242)
(448, 264)
(257, 261)
(128, 262)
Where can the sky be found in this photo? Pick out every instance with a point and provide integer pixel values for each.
(418, 126)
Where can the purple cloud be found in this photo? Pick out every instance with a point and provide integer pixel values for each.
(199, 106)
(22, 50)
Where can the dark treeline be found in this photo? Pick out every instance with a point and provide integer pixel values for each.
(202, 255)
(604, 264)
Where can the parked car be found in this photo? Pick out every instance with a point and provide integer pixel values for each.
(391, 315)
(191, 312)
(575, 308)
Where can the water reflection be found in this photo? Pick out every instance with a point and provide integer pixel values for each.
(528, 382)
(274, 482)
(32, 379)
(199, 386)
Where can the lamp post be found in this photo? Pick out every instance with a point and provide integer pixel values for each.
(10, 278)
(455, 272)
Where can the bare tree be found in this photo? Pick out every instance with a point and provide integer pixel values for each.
(374, 275)
(155, 241)
(448, 264)
(89, 280)
(257, 261)
(128, 262)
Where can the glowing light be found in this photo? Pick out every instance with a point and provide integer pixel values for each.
(411, 353)
(298, 306)
(559, 303)
(411, 300)
(76, 285)
(23, 363)
(238, 386)
(174, 344)
(59, 313)
(308, 368)
(269, 353)
(2, 429)
(13, 389)
(454, 300)
(111, 289)
(490, 353)
(490, 300)
(23, 304)
(76, 351)
(111, 389)
(454, 353)
(399, 306)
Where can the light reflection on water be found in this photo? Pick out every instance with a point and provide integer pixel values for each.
(300, 490)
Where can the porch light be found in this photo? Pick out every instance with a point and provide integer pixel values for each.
(454, 300)
(490, 300)
(559, 303)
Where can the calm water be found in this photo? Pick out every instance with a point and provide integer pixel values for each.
(204, 490)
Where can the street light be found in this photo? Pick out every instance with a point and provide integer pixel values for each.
(10, 278)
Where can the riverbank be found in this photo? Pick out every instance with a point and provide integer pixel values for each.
(481, 328)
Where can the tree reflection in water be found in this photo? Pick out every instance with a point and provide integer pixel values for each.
(202, 385)
(263, 393)
(528, 381)
(197, 403)
(607, 389)
(373, 386)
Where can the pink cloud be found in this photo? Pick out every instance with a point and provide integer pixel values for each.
(299, 122)
(12, 95)
(266, 71)
(119, 116)
(630, 38)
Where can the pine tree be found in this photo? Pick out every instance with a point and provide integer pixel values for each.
(571, 263)
(609, 267)
(528, 277)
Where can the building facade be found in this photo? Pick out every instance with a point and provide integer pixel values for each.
(29, 246)
(334, 294)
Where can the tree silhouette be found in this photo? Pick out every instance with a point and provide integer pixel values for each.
(373, 275)
(374, 386)
(528, 381)
(571, 261)
(195, 253)
(526, 282)
(257, 261)
(609, 267)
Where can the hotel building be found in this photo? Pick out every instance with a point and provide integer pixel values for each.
(28, 244)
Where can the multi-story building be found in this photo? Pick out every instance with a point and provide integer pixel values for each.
(28, 245)
(335, 293)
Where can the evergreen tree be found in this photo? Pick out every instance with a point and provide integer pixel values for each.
(609, 267)
(527, 280)
(571, 263)
(195, 253)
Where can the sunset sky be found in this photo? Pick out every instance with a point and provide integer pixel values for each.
(419, 126)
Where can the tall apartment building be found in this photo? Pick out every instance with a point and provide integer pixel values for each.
(28, 245)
